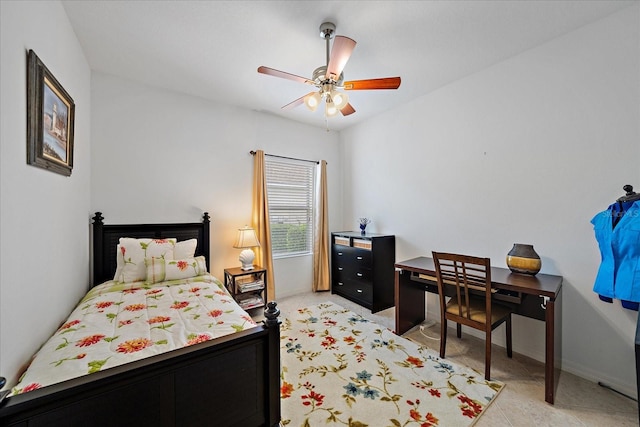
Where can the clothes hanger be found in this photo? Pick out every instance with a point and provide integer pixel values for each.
(631, 195)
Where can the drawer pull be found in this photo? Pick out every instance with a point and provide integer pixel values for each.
(359, 257)
(340, 283)
(339, 253)
(339, 268)
(359, 274)
(359, 290)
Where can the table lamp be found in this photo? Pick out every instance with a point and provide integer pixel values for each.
(246, 240)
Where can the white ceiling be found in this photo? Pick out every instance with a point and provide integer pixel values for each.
(212, 49)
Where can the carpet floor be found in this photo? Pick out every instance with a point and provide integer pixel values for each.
(339, 368)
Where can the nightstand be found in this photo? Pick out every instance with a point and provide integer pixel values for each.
(247, 287)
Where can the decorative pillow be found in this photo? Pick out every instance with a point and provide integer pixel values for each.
(132, 253)
(119, 264)
(161, 269)
(185, 249)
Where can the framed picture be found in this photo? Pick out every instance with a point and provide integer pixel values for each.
(50, 115)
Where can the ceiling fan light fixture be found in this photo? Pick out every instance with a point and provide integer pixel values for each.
(312, 101)
(339, 99)
(330, 109)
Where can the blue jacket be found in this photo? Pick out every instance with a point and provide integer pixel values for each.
(619, 273)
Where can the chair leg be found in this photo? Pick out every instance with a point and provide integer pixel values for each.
(459, 330)
(443, 337)
(509, 351)
(487, 356)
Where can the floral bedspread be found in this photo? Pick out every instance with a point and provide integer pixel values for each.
(338, 368)
(119, 323)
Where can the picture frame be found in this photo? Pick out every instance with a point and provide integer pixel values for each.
(50, 119)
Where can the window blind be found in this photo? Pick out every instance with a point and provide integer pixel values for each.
(290, 190)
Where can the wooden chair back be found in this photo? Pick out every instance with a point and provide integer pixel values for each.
(470, 277)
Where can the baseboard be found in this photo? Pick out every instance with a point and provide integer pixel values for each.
(598, 377)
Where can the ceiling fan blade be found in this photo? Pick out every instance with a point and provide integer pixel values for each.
(297, 102)
(277, 73)
(383, 83)
(340, 53)
(347, 109)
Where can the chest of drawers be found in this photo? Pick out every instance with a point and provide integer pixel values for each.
(362, 268)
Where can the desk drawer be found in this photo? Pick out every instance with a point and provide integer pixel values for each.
(508, 296)
(431, 285)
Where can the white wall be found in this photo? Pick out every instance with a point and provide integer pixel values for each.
(525, 151)
(44, 217)
(159, 156)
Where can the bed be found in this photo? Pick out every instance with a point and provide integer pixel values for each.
(227, 380)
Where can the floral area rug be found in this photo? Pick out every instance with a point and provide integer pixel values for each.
(338, 368)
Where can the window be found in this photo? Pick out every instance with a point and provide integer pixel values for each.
(290, 189)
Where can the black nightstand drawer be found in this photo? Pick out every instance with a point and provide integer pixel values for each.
(343, 254)
(352, 256)
(356, 290)
(360, 275)
(362, 257)
(353, 273)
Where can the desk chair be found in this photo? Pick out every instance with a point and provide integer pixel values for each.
(471, 304)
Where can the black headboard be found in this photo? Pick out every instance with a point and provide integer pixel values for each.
(106, 239)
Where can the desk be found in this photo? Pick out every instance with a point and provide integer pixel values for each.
(537, 297)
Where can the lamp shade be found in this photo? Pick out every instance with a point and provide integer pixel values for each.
(246, 240)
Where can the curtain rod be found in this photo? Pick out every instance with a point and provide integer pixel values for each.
(253, 153)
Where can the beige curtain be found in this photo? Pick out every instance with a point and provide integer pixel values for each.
(321, 280)
(260, 221)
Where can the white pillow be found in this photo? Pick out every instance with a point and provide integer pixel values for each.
(119, 264)
(185, 249)
(161, 269)
(132, 253)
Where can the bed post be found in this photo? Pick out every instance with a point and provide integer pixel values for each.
(206, 238)
(98, 254)
(271, 313)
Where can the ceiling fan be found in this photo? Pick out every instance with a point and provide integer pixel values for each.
(329, 78)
